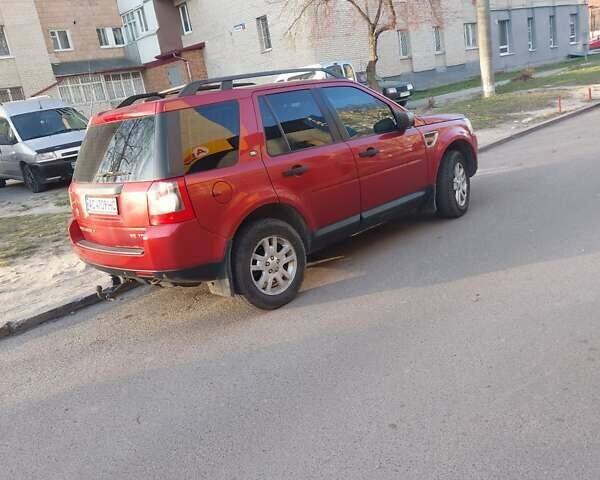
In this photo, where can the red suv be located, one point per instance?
(234, 184)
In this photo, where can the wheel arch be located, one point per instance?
(465, 148)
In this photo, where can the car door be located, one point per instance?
(392, 166)
(8, 154)
(308, 163)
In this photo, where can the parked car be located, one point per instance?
(39, 141)
(594, 44)
(397, 90)
(235, 185)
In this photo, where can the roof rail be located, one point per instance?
(134, 98)
(226, 83)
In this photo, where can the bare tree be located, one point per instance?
(378, 16)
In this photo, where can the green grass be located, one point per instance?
(489, 113)
(580, 75)
(62, 201)
(576, 64)
(23, 235)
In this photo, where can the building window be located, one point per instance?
(573, 27)
(470, 36)
(135, 24)
(552, 24)
(505, 44)
(531, 33)
(403, 43)
(186, 25)
(61, 40)
(87, 89)
(264, 36)
(438, 44)
(4, 50)
(11, 94)
(110, 37)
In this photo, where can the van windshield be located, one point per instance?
(44, 123)
(118, 152)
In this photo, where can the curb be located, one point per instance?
(537, 127)
(20, 326)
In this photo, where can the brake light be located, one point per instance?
(169, 202)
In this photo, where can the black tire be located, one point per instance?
(32, 180)
(2, 183)
(448, 205)
(243, 251)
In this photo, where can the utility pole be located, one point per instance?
(484, 31)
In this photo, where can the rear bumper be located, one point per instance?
(185, 276)
(178, 253)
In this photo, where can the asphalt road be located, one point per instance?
(425, 349)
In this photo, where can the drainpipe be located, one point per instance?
(187, 66)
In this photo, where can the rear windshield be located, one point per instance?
(44, 123)
(118, 152)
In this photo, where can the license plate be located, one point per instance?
(103, 206)
(404, 94)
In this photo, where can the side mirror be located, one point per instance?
(404, 120)
(385, 125)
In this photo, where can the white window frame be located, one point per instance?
(531, 33)
(184, 14)
(54, 35)
(573, 28)
(109, 34)
(135, 24)
(97, 88)
(7, 91)
(505, 49)
(404, 47)
(264, 34)
(438, 40)
(471, 36)
(552, 31)
(5, 37)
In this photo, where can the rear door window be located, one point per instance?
(293, 121)
(118, 152)
(358, 111)
(210, 136)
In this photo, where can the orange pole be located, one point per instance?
(559, 105)
(590, 94)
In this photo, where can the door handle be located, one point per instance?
(369, 152)
(295, 171)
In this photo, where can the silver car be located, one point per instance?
(39, 141)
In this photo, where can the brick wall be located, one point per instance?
(81, 18)
(156, 78)
(29, 66)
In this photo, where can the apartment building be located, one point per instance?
(155, 28)
(94, 53)
(24, 65)
(428, 47)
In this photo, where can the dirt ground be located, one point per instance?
(38, 270)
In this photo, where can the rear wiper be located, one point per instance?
(114, 174)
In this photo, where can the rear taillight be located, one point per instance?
(169, 202)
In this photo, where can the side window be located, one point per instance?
(6, 135)
(210, 136)
(359, 111)
(349, 72)
(293, 121)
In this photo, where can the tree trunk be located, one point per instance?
(373, 57)
(485, 48)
